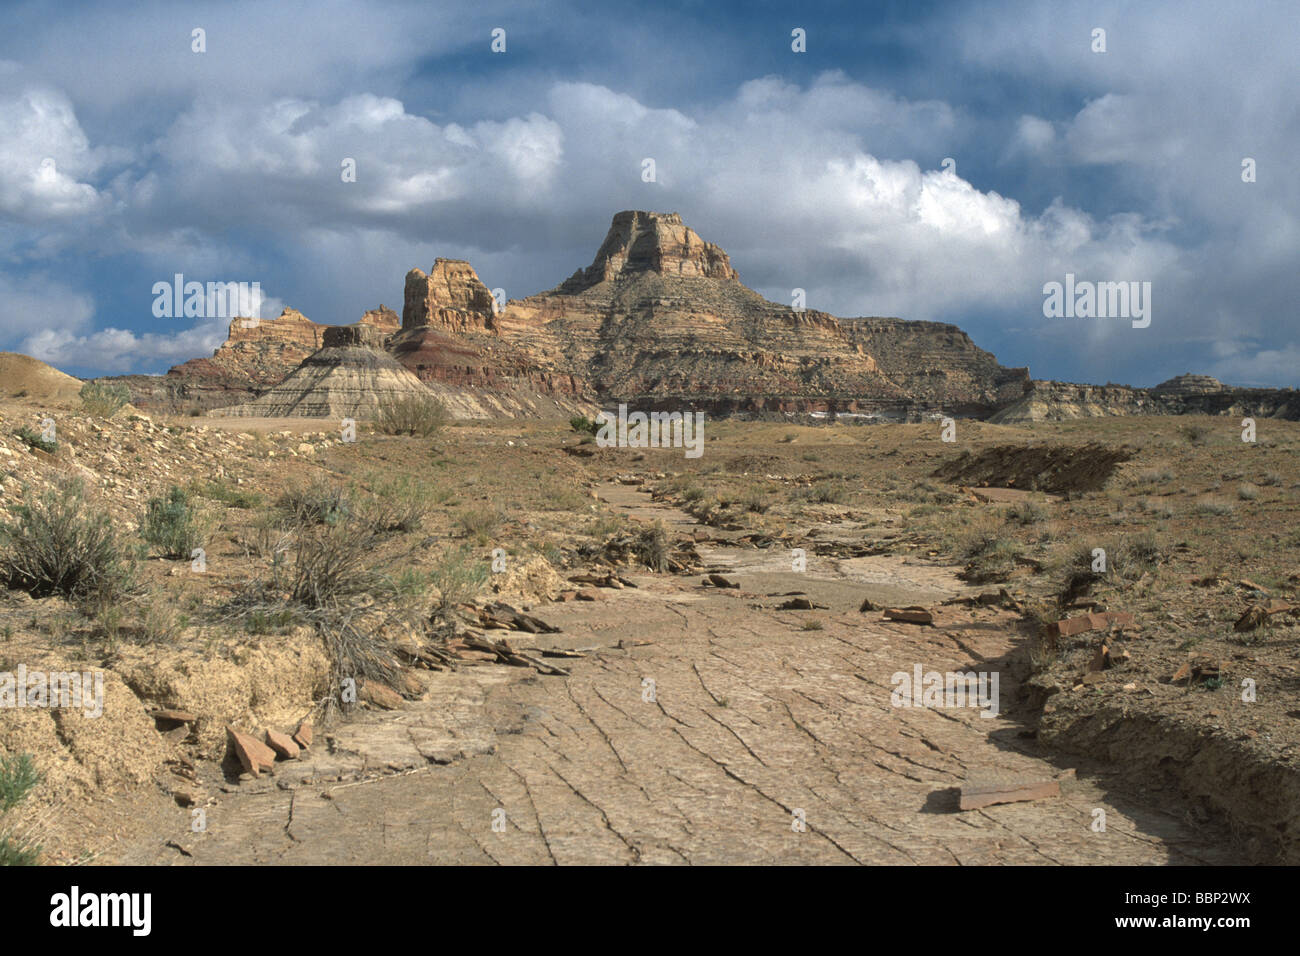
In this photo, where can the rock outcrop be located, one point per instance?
(661, 319)
(450, 339)
(257, 354)
(1189, 384)
(1045, 401)
(651, 242)
(351, 376)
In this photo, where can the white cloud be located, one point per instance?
(828, 184)
(43, 155)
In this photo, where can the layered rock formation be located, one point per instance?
(661, 319)
(1045, 401)
(257, 354)
(450, 338)
(351, 376)
(651, 242)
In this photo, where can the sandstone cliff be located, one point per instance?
(661, 319)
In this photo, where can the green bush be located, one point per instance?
(104, 398)
(58, 544)
(398, 503)
(34, 439)
(419, 415)
(582, 424)
(458, 577)
(320, 502)
(174, 524)
(18, 777)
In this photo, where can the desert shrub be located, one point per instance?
(397, 503)
(583, 425)
(989, 555)
(328, 564)
(420, 415)
(267, 535)
(478, 522)
(612, 523)
(18, 777)
(174, 524)
(318, 502)
(58, 544)
(275, 620)
(104, 398)
(692, 493)
(824, 492)
(1247, 492)
(650, 547)
(753, 500)
(1152, 476)
(228, 494)
(1195, 434)
(1135, 555)
(34, 439)
(1027, 512)
(458, 577)
(1212, 506)
(160, 621)
(1270, 479)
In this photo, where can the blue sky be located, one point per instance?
(125, 157)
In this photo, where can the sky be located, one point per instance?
(928, 160)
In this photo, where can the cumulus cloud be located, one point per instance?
(122, 350)
(44, 154)
(823, 182)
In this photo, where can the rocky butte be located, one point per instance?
(660, 320)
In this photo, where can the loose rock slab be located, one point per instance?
(985, 793)
(254, 755)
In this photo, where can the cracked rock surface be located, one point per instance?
(703, 726)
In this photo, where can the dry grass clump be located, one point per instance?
(420, 415)
(104, 399)
(60, 544)
(175, 524)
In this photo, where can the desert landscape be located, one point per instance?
(471, 437)
(404, 591)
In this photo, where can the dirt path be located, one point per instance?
(752, 723)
